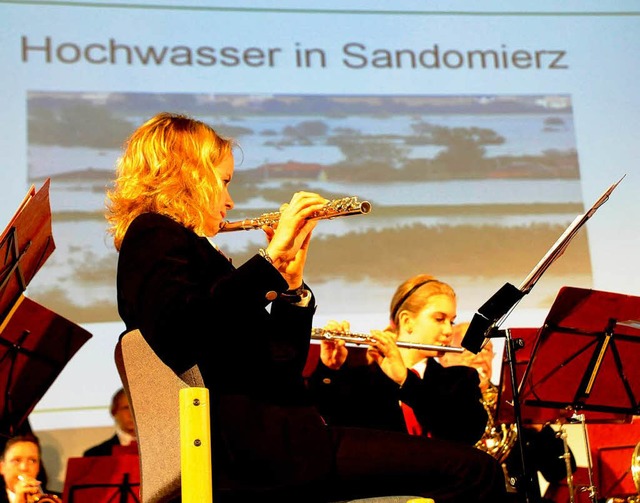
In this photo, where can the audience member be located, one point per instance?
(125, 434)
(248, 328)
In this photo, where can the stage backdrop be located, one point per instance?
(476, 135)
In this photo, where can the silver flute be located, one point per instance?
(335, 208)
(354, 338)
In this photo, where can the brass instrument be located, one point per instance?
(497, 440)
(635, 467)
(335, 208)
(40, 497)
(44, 498)
(562, 433)
(635, 473)
(354, 338)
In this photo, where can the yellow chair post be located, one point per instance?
(195, 445)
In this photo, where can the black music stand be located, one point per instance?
(525, 339)
(35, 343)
(484, 324)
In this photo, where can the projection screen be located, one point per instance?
(477, 136)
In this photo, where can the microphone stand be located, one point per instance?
(490, 315)
(529, 484)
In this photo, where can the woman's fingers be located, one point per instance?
(337, 326)
(303, 205)
(294, 225)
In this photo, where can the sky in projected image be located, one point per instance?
(473, 189)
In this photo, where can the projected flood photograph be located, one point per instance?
(472, 189)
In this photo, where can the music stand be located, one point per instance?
(534, 414)
(586, 357)
(584, 360)
(505, 413)
(103, 479)
(25, 245)
(35, 343)
(484, 324)
(493, 312)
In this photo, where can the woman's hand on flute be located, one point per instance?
(333, 352)
(289, 240)
(384, 351)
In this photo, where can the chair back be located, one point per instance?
(153, 390)
(154, 393)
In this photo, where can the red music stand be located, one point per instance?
(535, 414)
(35, 343)
(25, 245)
(583, 361)
(586, 356)
(103, 479)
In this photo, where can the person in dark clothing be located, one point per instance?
(545, 453)
(375, 392)
(125, 434)
(248, 328)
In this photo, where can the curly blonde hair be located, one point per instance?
(167, 167)
(412, 295)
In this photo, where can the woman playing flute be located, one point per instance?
(395, 386)
(247, 328)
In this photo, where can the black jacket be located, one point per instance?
(104, 448)
(446, 401)
(194, 307)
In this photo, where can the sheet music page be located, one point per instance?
(30, 193)
(26, 243)
(560, 245)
